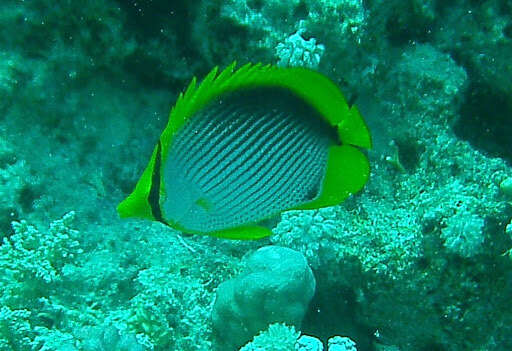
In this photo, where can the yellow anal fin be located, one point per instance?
(249, 232)
(347, 172)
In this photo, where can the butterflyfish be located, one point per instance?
(247, 144)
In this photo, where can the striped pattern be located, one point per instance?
(244, 158)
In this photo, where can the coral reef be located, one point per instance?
(308, 343)
(33, 265)
(275, 286)
(339, 343)
(421, 259)
(296, 51)
(277, 337)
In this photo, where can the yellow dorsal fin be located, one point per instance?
(314, 88)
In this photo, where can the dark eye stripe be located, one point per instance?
(154, 193)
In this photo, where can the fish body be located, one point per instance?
(246, 145)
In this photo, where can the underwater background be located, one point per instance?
(420, 259)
